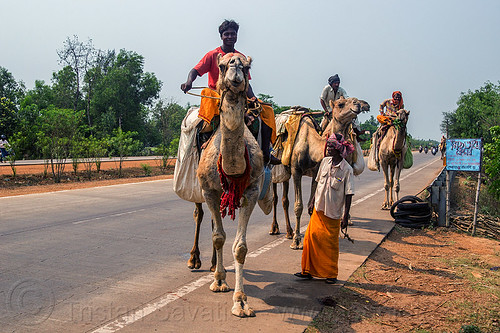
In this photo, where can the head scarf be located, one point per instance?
(334, 78)
(336, 142)
(398, 105)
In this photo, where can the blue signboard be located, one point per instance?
(463, 154)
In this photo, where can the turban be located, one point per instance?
(337, 142)
(334, 78)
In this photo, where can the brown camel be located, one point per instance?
(391, 153)
(308, 151)
(234, 151)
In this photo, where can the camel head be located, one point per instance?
(402, 118)
(344, 110)
(233, 73)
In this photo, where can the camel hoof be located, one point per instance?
(219, 286)
(242, 310)
(289, 235)
(274, 231)
(194, 263)
(296, 245)
(212, 269)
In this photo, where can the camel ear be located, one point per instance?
(341, 97)
(249, 59)
(332, 104)
(219, 57)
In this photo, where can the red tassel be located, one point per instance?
(232, 188)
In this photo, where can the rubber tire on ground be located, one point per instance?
(415, 214)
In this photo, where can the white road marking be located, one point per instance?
(137, 315)
(107, 216)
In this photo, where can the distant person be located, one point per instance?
(4, 144)
(332, 203)
(228, 31)
(332, 92)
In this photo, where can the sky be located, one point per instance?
(430, 50)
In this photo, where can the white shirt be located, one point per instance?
(328, 94)
(334, 183)
(3, 143)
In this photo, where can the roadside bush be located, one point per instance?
(492, 162)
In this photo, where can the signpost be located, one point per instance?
(463, 155)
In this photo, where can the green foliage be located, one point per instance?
(470, 329)
(476, 113)
(10, 88)
(122, 144)
(8, 119)
(56, 131)
(147, 169)
(166, 120)
(120, 96)
(491, 162)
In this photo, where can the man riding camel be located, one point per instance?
(391, 106)
(228, 31)
(332, 92)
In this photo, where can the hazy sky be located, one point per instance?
(431, 50)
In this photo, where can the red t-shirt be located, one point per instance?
(208, 64)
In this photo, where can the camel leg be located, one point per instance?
(275, 229)
(310, 204)
(286, 204)
(385, 169)
(218, 238)
(298, 208)
(214, 253)
(391, 187)
(240, 249)
(396, 180)
(194, 261)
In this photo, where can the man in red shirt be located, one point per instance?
(228, 31)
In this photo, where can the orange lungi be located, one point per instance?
(209, 108)
(320, 255)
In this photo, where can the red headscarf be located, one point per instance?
(398, 105)
(336, 141)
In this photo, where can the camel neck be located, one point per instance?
(232, 127)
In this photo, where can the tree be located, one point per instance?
(10, 88)
(56, 132)
(122, 144)
(476, 113)
(166, 119)
(64, 89)
(77, 56)
(122, 95)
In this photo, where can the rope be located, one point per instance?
(199, 95)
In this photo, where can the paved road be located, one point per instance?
(114, 257)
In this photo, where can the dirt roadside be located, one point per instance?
(432, 280)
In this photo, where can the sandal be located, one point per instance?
(303, 276)
(331, 280)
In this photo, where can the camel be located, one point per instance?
(308, 151)
(391, 153)
(234, 152)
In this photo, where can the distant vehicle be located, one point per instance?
(420, 149)
(434, 150)
(426, 149)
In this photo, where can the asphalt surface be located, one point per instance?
(114, 258)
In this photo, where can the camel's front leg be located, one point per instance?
(194, 261)
(298, 208)
(396, 180)
(218, 239)
(286, 204)
(391, 187)
(240, 249)
(275, 229)
(385, 169)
